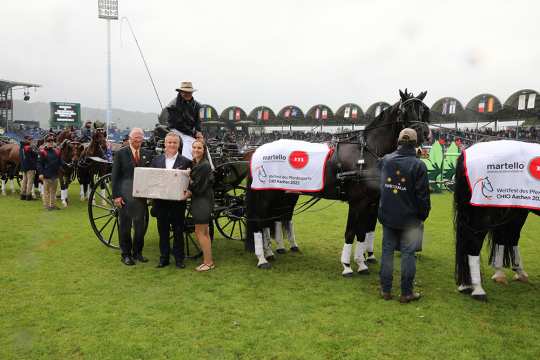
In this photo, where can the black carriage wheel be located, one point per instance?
(231, 219)
(192, 250)
(103, 215)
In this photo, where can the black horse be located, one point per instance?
(472, 224)
(351, 175)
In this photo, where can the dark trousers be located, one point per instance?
(132, 216)
(171, 220)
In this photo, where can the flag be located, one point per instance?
(287, 113)
(201, 113)
(208, 113)
(490, 104)
(444, 108)
(325, 114)
(453, 104)
(237, 114)
(347, 112)
(266, 115)
(521, 102)
(317, 113)
(259, 114)
(354, 113)
(481, 106)
(531, 103)
(231, 114)
(377, 110)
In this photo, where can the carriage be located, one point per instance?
(229, 207)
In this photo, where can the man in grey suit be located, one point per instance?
(170, 214)
(132, 213)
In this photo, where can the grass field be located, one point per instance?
(65, 296)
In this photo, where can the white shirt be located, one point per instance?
(169, 161)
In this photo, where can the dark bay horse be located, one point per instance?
(472, 224)
(92, 163)
(70, 152)
(351, 175)
(9, 165)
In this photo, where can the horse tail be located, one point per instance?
(462, 196)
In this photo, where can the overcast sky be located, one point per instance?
(273, 52)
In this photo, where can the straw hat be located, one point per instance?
(186, 86)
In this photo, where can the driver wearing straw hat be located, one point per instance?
(184, 117)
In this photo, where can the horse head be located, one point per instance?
(414, 114)
(382, 133)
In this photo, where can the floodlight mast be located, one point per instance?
(108, 10)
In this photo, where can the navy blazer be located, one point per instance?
(123, 169)
(161, 207)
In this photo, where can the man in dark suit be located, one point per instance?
(170, 213)
(132, 212)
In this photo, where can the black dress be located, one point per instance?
(201, 187)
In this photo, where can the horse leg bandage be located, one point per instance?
(64, 196)
(103, 197)
(267, 245)
(259, 251)
(346, 259)
(476, 279)
(497, 263)
(517, 266)
(3, 187)
(81, 193)
(289, 228)
(12, 185)
(370, 239)
(359, 256)
(278, 236)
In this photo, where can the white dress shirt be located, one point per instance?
(169, 161)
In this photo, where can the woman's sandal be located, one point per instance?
(204, 267)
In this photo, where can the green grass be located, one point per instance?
(63, 295)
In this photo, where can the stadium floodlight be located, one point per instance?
(108, 10)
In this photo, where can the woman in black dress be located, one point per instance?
(202, 201)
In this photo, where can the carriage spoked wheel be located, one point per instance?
(230, 218)
(192, 250)
(102, 213)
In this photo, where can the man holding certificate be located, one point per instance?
(170, 214)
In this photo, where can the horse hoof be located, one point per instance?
(363, 272)
(482, 298)
(265, 266)
(465, 289)
(524, 278)
(371, 260)
(347, 274)
(270, 258)
(295, 249)
(500, 280)
(281, 251)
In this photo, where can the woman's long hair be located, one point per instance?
(205, 151)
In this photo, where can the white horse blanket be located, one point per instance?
(289, 165)
(504, 173)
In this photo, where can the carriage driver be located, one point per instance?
(403, 208)
(184, 117)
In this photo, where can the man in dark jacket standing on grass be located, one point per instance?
(403, 208)
(28, 158)
(49, 166)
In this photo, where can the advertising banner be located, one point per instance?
(289, 165)
(504, 173)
